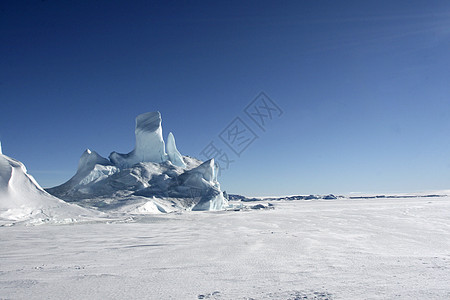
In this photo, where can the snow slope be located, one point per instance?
(22, 199)
(319, 249)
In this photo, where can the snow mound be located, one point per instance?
(23, 199)
(150, 207)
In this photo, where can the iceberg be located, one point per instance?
(174, 155)
(202, 183)
(147, 172)
(150, 145)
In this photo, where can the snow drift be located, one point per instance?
(22, 198)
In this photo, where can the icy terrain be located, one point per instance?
(138, 235)
(316, 249)
(147, 177)
(145, 181)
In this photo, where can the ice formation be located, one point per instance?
(173, 153)
(202, 183)
(89, 159)
(91, 167)
(23, 199)
(146, 174)
(149, 143)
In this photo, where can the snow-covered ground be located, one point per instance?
(319, 249)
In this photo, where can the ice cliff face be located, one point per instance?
(150, 145)
(147, 172)
(202, 182)
(198, 187)
(174, 156)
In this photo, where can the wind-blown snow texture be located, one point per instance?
(145, 177)
(311, 249)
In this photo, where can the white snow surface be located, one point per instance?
(22, 199)
(322, 249)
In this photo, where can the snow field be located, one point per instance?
(324, 249)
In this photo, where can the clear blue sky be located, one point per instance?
(364, 87)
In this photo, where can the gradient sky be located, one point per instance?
(364, 87)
